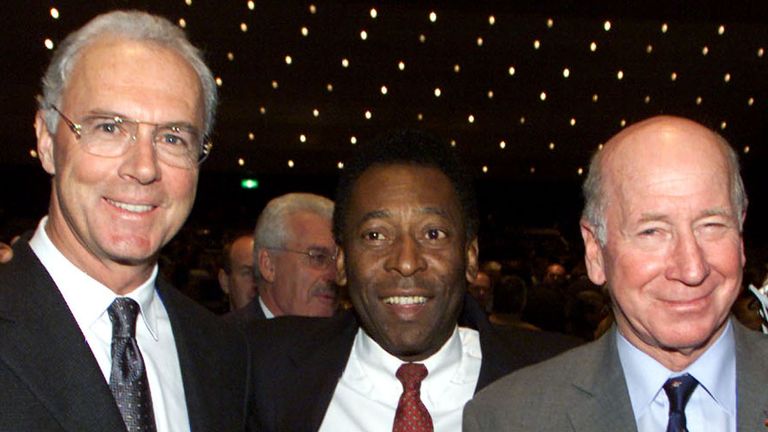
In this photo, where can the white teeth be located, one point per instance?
(135, 208)
(405, 300)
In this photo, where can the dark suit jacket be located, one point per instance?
(585, 390)
(50, 380)
(295, 376)
(246, 314)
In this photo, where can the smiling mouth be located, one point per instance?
(133, 208)
(405, 300)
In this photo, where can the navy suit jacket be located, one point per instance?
(295, 375)
(50, 380)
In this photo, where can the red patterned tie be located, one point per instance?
(411, 414)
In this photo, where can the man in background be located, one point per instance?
(235, 275)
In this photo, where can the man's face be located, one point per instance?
(239, 283)
(674, 256)
(405, 258)
(110, 212)
(481, 289)
(300, 286)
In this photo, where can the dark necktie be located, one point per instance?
(128, 379)
(411, 414)
(679, 390)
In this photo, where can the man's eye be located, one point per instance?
(172, 140)
(373, 236)
(436, 234)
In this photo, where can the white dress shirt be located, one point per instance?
(712, 406)
(88, 301)
(368, 392)
(267, 313)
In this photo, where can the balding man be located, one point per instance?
(662, 229)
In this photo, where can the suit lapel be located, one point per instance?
(603, 405)
(41, 343)
(319, 366)
(751, 378)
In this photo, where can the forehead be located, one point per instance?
(309, 227)
(132, 77)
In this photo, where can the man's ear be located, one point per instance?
(266, 266)
(224, 281)
(341, 270)
(44, 143)
(472, 252)
(593, 253)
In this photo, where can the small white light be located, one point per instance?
(647, 99)
(48, 43)
(522, 120)
(479, 41)
(566, 73)
(219, 82)
(664, 27)
(551, 146)
(607, 25)
(344, 63)
(33, 153)
(275, 85)
(241, 161)
(329, 87)
(727, 77)
(312, 9)
(188, 2)
(316, 112)
(368, 114)
(543, 96)
(699, 100)
(340, 165)
(353, 140)
(251, 4)
(401, 65)
(536, 44)
(485, 169)
(760, 52)
(303, 138)
(620, 75)
(649, 48)
(251, 136)
(230, 56)
(490, 94)
(453, 143)
(705, 50)
(243, 27)
(511, 70)
(502, 145)
(600, 146)
(723, 125)
(419, 116)
(746, 149)
(572, 122)
(751, 101)
(471, 118)
(290, 163)
(438, 92)
(622, 123)
(673, 76)
(593, 46)
(491, 20)
(550, 22)
(432, 16)
(721, 30)
(532, 170)
(595, 97)
(54, 13)
(580, 171)
(374, 13)
(384, 90)
(262, 110)
(363, 35)
(456, 68)
(422, 38)
(304, 31)
(288, 60)
(182, 23)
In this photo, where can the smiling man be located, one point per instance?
(406, 225)
(90, 338)
(662, 229)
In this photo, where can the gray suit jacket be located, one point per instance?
(584, 390)
(50, 380)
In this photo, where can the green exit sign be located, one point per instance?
(249, 183)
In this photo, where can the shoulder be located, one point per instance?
(528, 346)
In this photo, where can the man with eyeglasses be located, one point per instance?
(91, 339)
(295, 259)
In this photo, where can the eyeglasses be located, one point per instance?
(317, 257)
(177, 144)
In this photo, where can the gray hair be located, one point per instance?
(595, 199)
(272, 227)
(134, 25)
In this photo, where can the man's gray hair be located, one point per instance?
(134, 25)
(272, 229)
(595, 197)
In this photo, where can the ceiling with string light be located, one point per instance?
(521, 89)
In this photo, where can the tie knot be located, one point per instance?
(123, 312)
(679, 390)
(411, 375)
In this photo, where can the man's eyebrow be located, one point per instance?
(375, 214)
(651, 217)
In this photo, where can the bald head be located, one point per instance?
(662, 144)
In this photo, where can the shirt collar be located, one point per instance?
(715, 370)
(87, 298)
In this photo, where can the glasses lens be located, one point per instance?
(106, 136)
